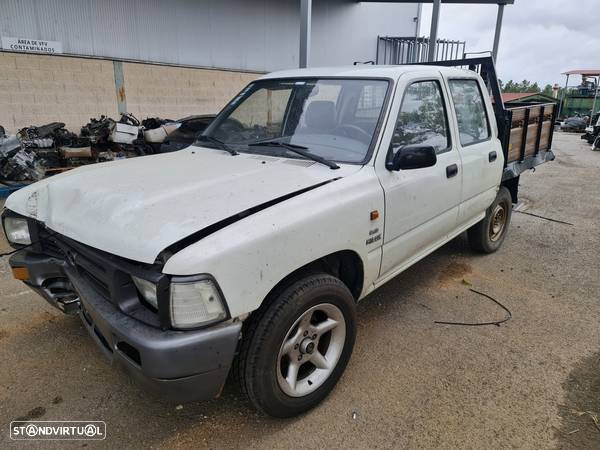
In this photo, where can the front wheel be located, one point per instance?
(294, 352)
(488, 235)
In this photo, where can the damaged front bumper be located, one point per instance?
(177, 365)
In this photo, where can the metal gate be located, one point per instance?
(408, 50)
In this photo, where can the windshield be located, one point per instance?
(331, 118)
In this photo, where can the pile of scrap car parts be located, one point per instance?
(110, 139)
(592, 132)
(575, 124)
(36, 152)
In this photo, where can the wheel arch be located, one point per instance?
(346, 265)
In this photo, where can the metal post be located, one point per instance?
(305, 26)
(498, 31)
(562, 97)
(435, 16)
(415, 58)
(594, 104)
(120, 87)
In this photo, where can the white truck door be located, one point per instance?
(421, 205)
(479, 147)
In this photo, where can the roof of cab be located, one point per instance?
(365, 71)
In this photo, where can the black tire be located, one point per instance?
(258, 363)
(481, 235)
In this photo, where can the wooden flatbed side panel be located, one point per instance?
(517, 127)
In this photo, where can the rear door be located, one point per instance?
(421, 205)
(479, 146)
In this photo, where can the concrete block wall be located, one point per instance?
(175, 92)
(38, 89)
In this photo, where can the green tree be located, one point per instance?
(523, 86)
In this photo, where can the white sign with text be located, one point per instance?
(31, 45)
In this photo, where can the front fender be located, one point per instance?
(249, 257)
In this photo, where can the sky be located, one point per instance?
(540, 38)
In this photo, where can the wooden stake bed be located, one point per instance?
(530, 130)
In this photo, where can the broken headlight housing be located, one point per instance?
(147, 290)
(195, 302)
(16, 229)
(184, 302)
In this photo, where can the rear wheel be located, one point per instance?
(294, 352)
(488, 235)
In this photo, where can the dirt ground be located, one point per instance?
(533, 382)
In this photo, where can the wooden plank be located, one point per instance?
(518, 115)
(545, 139)
(531, 138)
(514, 144)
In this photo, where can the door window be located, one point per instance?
(422, 118)
(473, 123)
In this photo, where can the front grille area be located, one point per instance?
(96, 272)
(100, 286)
(108, 275)
(47, 244)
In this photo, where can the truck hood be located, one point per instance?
(136, 208)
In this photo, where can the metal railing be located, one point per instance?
(409, 50)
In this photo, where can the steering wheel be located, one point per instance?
(354, 132)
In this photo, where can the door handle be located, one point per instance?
(451, 170)
(492, 156)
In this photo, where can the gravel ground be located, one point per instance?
(411, 383)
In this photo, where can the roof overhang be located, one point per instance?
(465, 2)
(586, 72)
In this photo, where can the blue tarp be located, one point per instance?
(5, 191)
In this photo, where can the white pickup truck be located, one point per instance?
(247, 252)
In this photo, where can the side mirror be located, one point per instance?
(412, 157)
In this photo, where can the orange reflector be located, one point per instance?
(20, 273)
(374, 215)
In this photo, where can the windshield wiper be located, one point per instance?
(219, 142)
(298, 149)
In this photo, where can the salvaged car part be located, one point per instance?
(22, 166)
(183, 133)
(8, 146)
(98, 130)
(574, 124)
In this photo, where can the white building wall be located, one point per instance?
(253, 35)
(346, 31)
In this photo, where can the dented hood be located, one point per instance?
(136, 208)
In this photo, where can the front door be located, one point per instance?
(421, 205)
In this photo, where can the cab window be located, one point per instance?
(422, 118)
(473, 123)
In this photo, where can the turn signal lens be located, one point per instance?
(147, 289)
(20, 273)
(196, 303)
